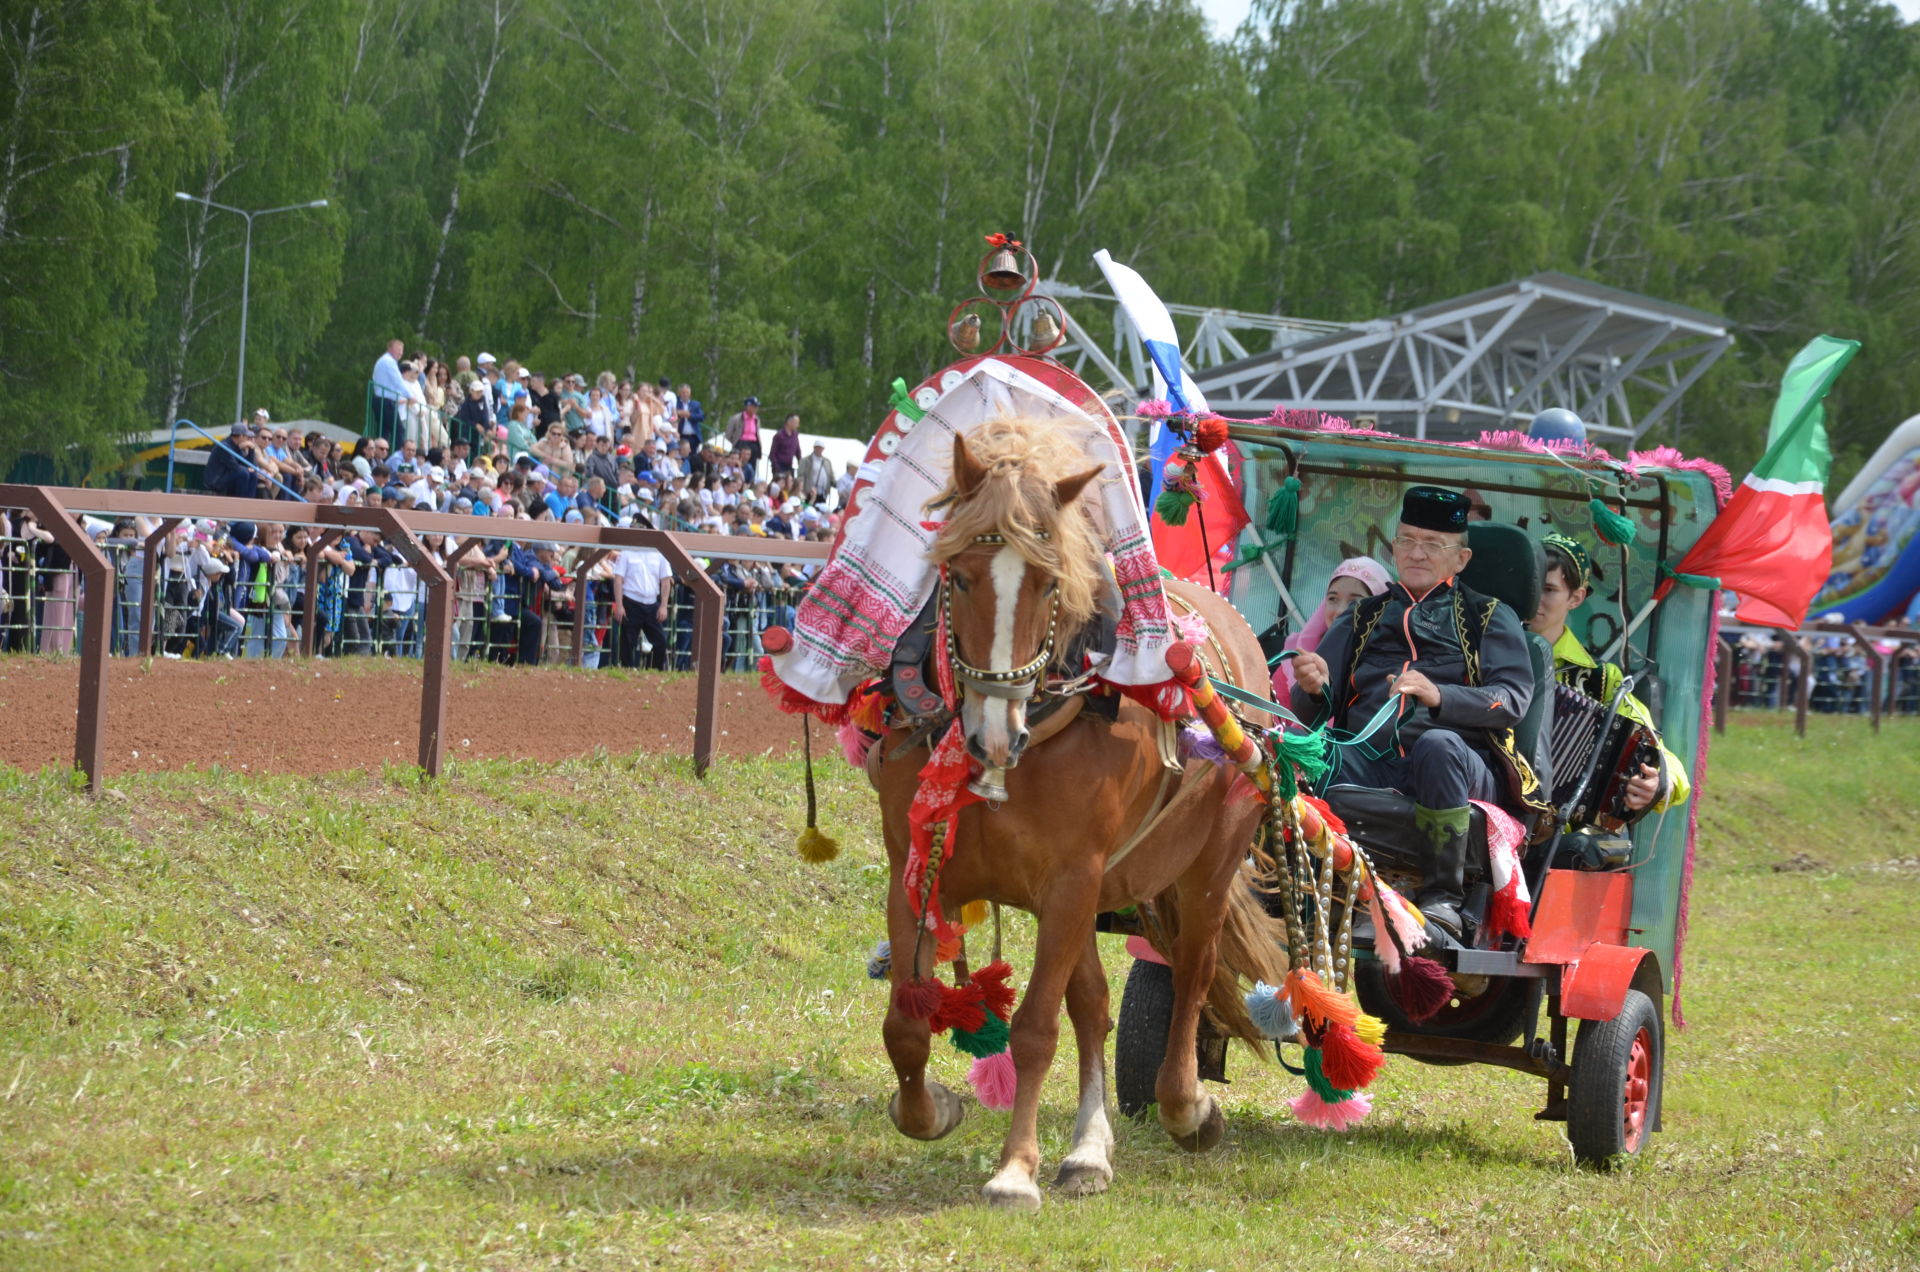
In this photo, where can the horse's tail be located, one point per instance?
(1253, 947)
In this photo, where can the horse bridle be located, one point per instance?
(1023, 683)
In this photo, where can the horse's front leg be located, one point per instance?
(921, 1108)
(1088, 1167)
(1065, 927)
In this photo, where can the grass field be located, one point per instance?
(598, 1015)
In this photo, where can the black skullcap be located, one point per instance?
(1432, 508)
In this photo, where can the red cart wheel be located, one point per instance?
(1614, 1098)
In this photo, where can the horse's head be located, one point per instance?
(1018, 565)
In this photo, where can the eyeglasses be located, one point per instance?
(1422, 547)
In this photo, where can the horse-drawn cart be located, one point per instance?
(1608, 909)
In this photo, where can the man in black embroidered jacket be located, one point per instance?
(1456, 664)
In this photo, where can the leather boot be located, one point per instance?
(1443, 886)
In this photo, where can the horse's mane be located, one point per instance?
(1023, 459)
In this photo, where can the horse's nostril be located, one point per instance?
(1019, 744)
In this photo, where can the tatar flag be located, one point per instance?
(1216, 522)
(1772, 543)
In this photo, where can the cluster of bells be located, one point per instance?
(1008, 281)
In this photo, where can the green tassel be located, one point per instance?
(902, 401)
(1318, 1080)
(1705, 582)
(1172, 507)
(1283, 510)
(1250, 553)
(989, 1039)
(1306, 752)
(1612, 526)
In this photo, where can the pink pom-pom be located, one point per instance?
(500, 433)
(1317, 1113)
(994, 1081)
(855, 743)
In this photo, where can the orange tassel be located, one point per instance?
(947, 948)
(1315, 1003)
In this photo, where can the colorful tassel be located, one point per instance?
(995, 994)
(881, 964)
(947, 948)
(1508, 913)
(1611, 526)
(973, 914)
(960, 1008)
(1421, 988)
(1283, 509)
(989, 1039)
(1173, 506)
(1324, 1116)
(855, 742)
(816, 848)
(918, 999)
(1348, 1062)
(1270, 1012)
(1210, 434)
(995, 1081)
(1371, 1029)
(1317, 1005)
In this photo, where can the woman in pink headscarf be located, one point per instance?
(1352, 579)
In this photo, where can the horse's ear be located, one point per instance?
(968, 473)
(1068, 489)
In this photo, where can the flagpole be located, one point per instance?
(1633, 625)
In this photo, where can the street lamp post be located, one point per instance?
(246, 279)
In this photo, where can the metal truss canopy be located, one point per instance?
(1492, 359)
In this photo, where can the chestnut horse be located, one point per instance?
(1093, 819)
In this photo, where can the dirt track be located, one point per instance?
(314, 717)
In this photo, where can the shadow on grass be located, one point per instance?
(828, 1169)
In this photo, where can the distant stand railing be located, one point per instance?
(174, 442)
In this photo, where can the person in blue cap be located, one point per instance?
(1455, 663)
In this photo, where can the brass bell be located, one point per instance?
(1003, 271)
(966, 333)
(991, 785)
(1046, 330)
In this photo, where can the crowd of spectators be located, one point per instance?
(480, 438)
(1767, 668)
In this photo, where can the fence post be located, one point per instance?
(149, 554)
(1723, 667)
(709, 604)
(588, 558)
(310, 594)
(1876, 670)
(1803, 686)
(95, 607)
(437, 649)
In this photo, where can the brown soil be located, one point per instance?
(296, 716)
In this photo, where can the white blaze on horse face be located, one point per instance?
(994, 723)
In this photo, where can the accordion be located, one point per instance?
(1582, 729)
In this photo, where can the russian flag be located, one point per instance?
(1180, 548)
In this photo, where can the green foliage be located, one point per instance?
(785, 197)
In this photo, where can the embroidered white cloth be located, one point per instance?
(879, 578)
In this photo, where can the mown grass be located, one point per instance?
(598, 1015)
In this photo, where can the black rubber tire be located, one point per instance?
(1140, 1041)
(1498, 1016)
(1610, 1075)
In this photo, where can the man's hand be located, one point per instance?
(619, 612)
(1642, 787)
(661, 613)
(1310, 672)
(1415, 685)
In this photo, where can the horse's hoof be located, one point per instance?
(1082, 1179)
(1008, 1191)
(1207, 1135)
(949, 1110)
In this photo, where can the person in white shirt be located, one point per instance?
(642, 581)
(399, 610)
(389, 390)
